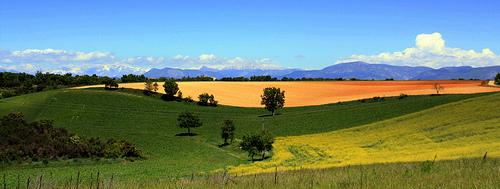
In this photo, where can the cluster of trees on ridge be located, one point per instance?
(13, 84)
(20, 141)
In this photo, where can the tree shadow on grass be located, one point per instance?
(186, 134)
(222, 145)
(259, 159)
(270, 115)
(168, 97)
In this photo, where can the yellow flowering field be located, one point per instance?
(468, 128)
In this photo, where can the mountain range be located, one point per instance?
(359, 70)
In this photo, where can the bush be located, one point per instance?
(207, 100)
(402, 95)
(8, 94)
(20, 140)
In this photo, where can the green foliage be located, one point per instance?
(131, 78)
(20, 140)
(228, 130)
(207, 100)
(273, 98)
(8, 94)
(109, 83)
(402, 95)
(148, 87)
(497, 78)
(155, 87)
(170, 87)
(188, 120)
(179, 96)
(258, 142)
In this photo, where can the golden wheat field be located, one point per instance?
(247, 94)
(469, 128)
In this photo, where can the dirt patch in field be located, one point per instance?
(247, 94)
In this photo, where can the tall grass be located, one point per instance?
(460, 173)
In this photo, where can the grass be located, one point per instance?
(151, 124)
(467, 128)
(459, 173)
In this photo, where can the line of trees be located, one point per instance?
(13, 84)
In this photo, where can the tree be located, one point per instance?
(212, 101)
(155, 87)
(203, 99)
(206, 99)
(148, 86)
(188, 120)
(438, 88)
(108, 83)
(273, 98)
(257, 142)
(171, 88)
(228, 130)
(497, 79)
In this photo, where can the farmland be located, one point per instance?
(317, 93)
(152, 125)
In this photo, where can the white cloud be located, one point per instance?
(430, 50)
(61, 61)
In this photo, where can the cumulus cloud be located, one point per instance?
(61, 61)
(430, 50)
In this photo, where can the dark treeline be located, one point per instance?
(142, 78)
(20, 140)
(269, 78)
(13, 84)
(131, 78)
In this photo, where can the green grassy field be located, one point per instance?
(151, 124)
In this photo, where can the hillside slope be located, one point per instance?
(467, 128)
(152, 125)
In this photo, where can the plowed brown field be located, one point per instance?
(247, 94)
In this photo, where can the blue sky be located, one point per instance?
(297, 34)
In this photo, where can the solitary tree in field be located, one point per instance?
(108, 83)
(228, 130)
(497, 79)
(171, 88)
(273, 98)
(188, 120)
(148, 86)
(259, 142)
(438, 88)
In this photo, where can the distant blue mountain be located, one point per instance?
(465, 72)
(362, 70)
(179, 73)
(358, 70)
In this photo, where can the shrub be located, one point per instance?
(8, 94)
(402, 95)
(207, 100)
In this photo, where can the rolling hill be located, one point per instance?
(151, 124)
(468, 128)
